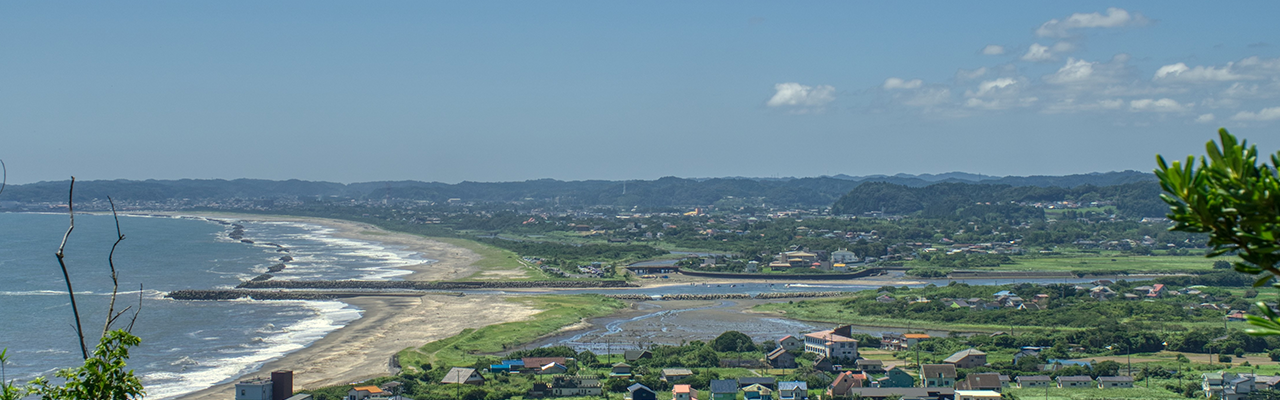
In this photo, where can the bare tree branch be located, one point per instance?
(84, 351)
(113, 318)
(135, 312)
(115, 282)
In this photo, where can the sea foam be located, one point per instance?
(327, 316)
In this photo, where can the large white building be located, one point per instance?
(254, 389)
(844, 256)
(835, 344)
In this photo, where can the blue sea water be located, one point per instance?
(186, 345)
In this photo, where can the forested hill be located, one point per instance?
(1138, 199)
(664, 192)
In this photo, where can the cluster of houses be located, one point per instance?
(386, 391)
(836, 351)
(1126, 244)
(837, 261)
(1002, 299)
(279, 386)
(936, 381)
(1102, 291)
(594, 270)
(751, 388)
(976, 248)
(533, 365)
(1232, 386)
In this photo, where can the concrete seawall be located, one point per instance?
(232, 294)
(422, 285)
(789, 277)
(728, 296)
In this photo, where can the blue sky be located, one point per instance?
(500, 91)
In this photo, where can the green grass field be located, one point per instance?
(1054, 393)
(558, 311)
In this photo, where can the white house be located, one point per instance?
(834, 344)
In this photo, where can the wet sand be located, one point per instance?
(363, 349)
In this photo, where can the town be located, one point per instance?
(816, 365)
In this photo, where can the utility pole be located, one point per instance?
(918, 365)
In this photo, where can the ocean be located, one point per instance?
(186, 346)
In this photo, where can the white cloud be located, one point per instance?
(968, 75)
(795, 94)
(1075, 71)
(1063, 47)
(1266, 114)
(1141, 90)
(898, 83)
(1037, 52)
(1000, 104)
(1210, 102)
(1161, 105)
(1205, 118)
(990, 87)
(1112, 104)
(1261, 63)
(1070, 105)
(929, 97)
(993, 50)
(1114, 18)
(1180, 72)
(1241, 90)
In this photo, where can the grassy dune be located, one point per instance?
(494, 259)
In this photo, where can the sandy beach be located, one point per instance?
(363, 348)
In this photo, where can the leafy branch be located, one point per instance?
(1236, 200)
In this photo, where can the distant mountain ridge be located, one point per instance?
(663, 192)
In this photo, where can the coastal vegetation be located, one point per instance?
(558, 312)
(493, 259)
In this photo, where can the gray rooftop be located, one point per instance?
(724, 386)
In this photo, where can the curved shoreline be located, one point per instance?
(362, 348)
